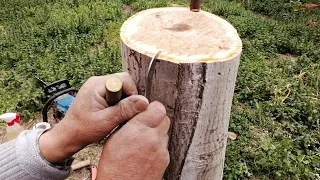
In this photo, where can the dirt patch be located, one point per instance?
(288, 57)
(258, 131)
(98, 47)
(127, 9)
(91, 152)
(313, 23)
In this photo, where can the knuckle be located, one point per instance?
(167, 121)
(92, 78)
(164, 153)
(153, 144)
(125, 110)
(165, 157)
(125, 74)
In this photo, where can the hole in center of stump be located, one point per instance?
(180, 27)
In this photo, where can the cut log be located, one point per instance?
(194, 79)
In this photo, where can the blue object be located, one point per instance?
(64, 102)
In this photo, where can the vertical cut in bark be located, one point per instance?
(194, 79)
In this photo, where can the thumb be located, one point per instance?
(125, 110)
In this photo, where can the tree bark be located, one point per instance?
(194, 79)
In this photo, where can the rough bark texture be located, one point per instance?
(194, 79)
(198, 98)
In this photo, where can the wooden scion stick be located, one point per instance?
(195, 5)
(80, 165)
(194, 78)
(114, 90)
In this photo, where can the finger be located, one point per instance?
(124, 110)
(164, 126)
(152, 117)
(128, 86)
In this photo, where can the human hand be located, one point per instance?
(137, 151)
(90, 119)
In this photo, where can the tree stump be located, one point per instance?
(194, 78)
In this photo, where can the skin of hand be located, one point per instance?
(90, 119)
(137, 151)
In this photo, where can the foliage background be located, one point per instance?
(276, 103)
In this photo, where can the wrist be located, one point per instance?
(55, 146)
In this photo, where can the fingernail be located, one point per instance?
(141, 105)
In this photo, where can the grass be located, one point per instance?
(276, 103)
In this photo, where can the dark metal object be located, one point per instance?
(53, 88)
(150, 73)
(57, 114)
(59, 94)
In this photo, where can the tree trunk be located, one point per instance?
(194, 79)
